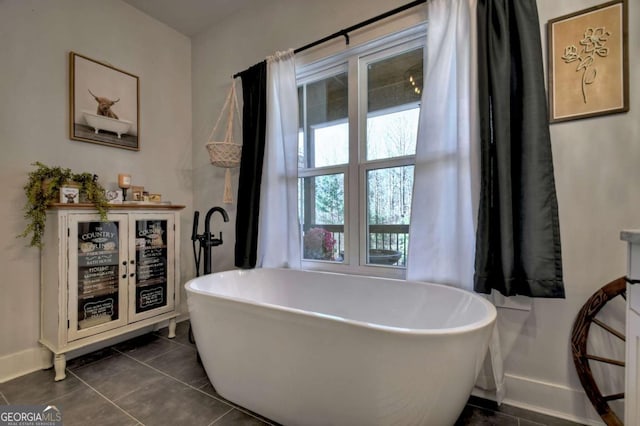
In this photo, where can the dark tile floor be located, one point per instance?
(151, 380)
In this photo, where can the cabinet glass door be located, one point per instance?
(154, 276)
(97, 272)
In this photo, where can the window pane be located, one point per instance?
(325, 134)
(322, 216)
(388, 212)
(331, 144)
(394, 87)
(392, 135)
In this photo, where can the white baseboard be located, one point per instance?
(547, 398)
(39, 358)
(24, 362)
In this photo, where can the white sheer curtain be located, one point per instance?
(447, 170)
(279, 232)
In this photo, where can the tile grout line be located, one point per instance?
(99, 393)
(173, 340)
(219, 417)
(520, 419)
(495, 411)
(5, 398)
(64, 395)
(191, 386)
(126, 394)
(523, 417)
(155, 356)
(232, 404)
(167, 375)
(118, 353)
(90, 363)
(531, 422)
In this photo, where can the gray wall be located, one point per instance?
(595, 164)
(35, 40)
(183, 84)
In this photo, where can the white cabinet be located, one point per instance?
(632, 366)
(101, 279)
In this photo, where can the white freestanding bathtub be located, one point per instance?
(315, 348)
(100, 122)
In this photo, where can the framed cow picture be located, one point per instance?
(104, 104)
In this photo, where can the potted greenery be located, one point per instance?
(42, 189)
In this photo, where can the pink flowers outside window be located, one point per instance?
(318, 243)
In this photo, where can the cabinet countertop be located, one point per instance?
(123, 206)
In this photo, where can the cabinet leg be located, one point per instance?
(59, 364)
(172, 328)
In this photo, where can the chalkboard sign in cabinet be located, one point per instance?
(101, 279)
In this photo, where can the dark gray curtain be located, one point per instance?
(254, 119)
(518, 237)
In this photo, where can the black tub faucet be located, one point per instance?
(206, 240)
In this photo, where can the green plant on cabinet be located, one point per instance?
(42, 189)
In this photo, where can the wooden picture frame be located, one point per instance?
(137, 193)
(588, 62)
(104, 104)
(69, 195)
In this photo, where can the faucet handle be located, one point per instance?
(194, 232)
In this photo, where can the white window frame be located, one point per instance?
(355, 60)
(324, 125)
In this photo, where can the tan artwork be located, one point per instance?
(588, 73)
(104, 104)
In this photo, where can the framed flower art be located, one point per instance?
(588, 63)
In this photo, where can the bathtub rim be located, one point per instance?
(489, 320)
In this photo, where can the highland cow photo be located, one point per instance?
(104, 104)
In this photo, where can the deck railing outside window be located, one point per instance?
(382, 238)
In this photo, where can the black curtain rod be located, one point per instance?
(345, 33)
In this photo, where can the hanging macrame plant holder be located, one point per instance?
(226, 153)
